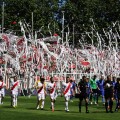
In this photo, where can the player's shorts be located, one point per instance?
(52, 96)
(83, 96)
(3, 92)
(41, 96)
(108, 95)
(14, 93)
(77, 95)
(67, 97)
(95, 91)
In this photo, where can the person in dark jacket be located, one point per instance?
(108, 89)
(82, 87)
(117, 91)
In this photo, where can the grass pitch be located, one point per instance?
(26, 110)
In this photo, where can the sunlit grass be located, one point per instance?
(26, 110)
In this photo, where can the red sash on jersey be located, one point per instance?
(68, 87)
(51, 91)
(40, 89)
(14, 85)
(1, 85)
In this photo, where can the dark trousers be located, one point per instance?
(85, 97)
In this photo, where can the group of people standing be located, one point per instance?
(87, 89)
(108, 88)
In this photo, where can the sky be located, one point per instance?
(62, 2)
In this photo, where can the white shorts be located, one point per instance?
(41, 96)
(52, 96)
(67, 97)
(14, 93)
(3, 92)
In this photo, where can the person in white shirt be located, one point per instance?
(2, 90)
(41, 89)
(66, 92)
(15, 85)
(52, 91)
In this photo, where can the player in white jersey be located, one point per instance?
(41, 89)
(66, 92)
(15, 85)
(2, 90)
(52, 90)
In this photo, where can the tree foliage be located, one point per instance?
(85, 14)
(48, 13)
(21, 10)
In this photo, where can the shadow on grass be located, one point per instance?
(98, 112)
(38, 109)
(59, 110)
(7, 106)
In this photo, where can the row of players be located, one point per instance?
(107, 88)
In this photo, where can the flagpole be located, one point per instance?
(62, 26)
(32, 25)
(73, 36)
(3, 17)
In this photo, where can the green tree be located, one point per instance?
(43, 14)
(48, 13)
(82, 12)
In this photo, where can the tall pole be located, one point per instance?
(73, 36)
(32, 25)
(62, 26)
(3, 17)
